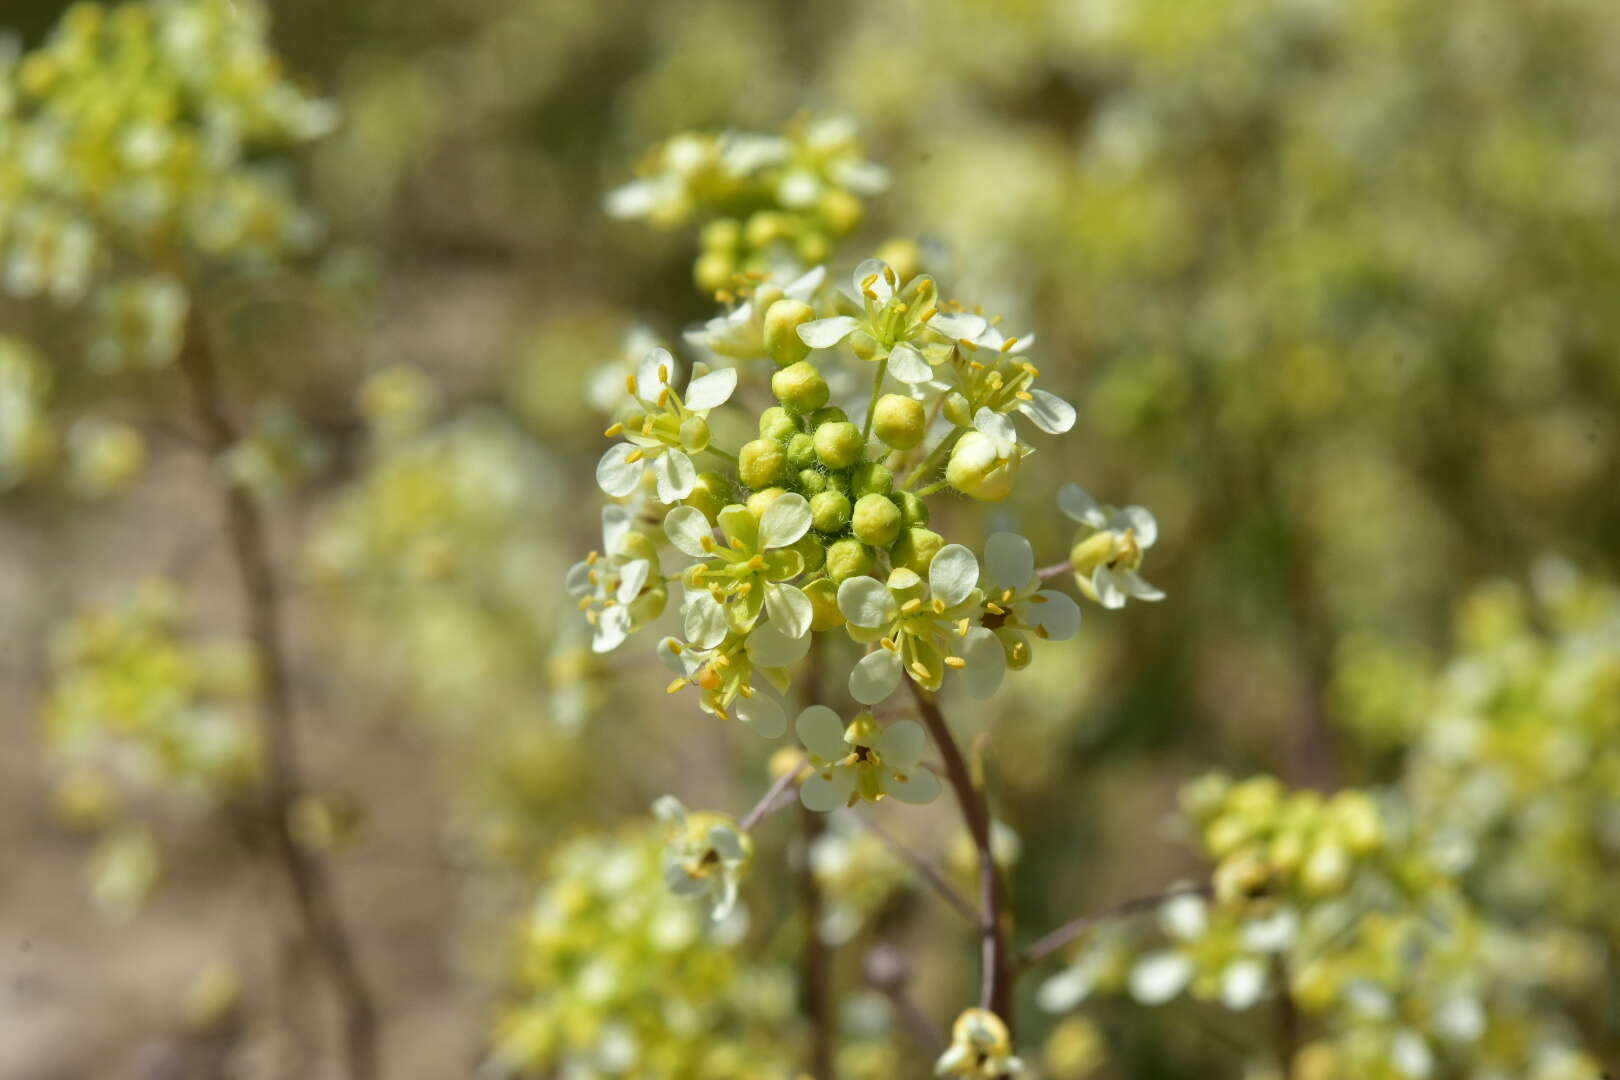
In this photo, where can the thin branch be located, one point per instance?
(886, 971)
(996, 974)
(1287, 1020)
(306, 876)
(1056, 570)
(816, 973)
(768, 803)
(930, 873)
(1050, 943)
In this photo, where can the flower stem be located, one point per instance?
(1056, 570)
(770, 802)
(816, 970)
(306, 876)
(929, 872)
(931, 488)
(931, 462)
(877, 392)
(712, 449)
(996, 973)
(1287, 1020)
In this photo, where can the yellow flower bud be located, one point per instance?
(761, 463)
(849, 558)
(781, 338)
(977, 468)
(839, 445)
(899, 421)
(876, 520)
(800, 387)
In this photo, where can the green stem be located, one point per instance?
(931, 462)
(931, 488)
(877, 392)
(716, 450)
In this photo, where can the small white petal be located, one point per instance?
(1009, 561)
(1159, 977)
(867, 603)
(1049, 412)
(656, 369)
(878, 271)
(632, 200)
(1132, 584)
(1059, 616)
(687, 528)
(669, 808)
(789, 609)
(711, 390)
(952, 575)
(902, 744)
(805, 285)
(1272, 933)
(726, 840)
(821, 732)
(612, 627)
(784, 521)
(908, 365)
(986, 662)
(677, 657)
(959, 325)
(995, 425)
(919, 788)
(875, 677)
(824, 792)
(615, 527)
(632, 576)
(762, 713)
(1141, 522)
(770, 647)
(1079, 506)
(1109, 593)
(705, 621)
(1185, 918)
(675, 474)
(1242, 983)
(680, 882)
(1065, 990)
(825, 333)
(578, 581)
(615, 475)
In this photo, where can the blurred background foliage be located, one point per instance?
(1335, 287)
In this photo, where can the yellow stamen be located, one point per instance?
(918, 669)
(676, 686)
(939, 607)
(966, 345)
(962, 627)
(647, 427)
(584, 602)
(676, 647)
(746, 691)
(630, 384)
(1039, 599)
(955, 662)
(910, 605)
(745, 588)
(929, 314)
(708, 543)
(590, 617)
(634, 456)
(1006, 346)
(663, 373)
(663, 396)
(890, 276)
(590, 560)
(888, 643)
(1034, 372)
(615, 430)
(1024, 395)
(757, 563)
(994, 608)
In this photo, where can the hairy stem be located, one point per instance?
(931, 462)
(877, 392)
(996, 973)
(306, 877)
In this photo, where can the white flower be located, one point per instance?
(706, 855)
(1015, 608)
(663, 433)
(913, 622)
(747, 576)
(606, 586)
(985, 460)
(740, 332)
(1046, 410)
(895, 321)
(724, 674)
(1106, 562)
(863, 761)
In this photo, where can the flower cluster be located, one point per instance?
(138, 707)
(144, 136)
(768, 202)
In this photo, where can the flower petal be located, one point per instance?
(656, 370)
(902, 744)
(825, 791)
(908, 365)
(1009, 561)
(1079, 506)
(669, 808)
(617, 476)
(578, 582)
(986, 662)
(1049, 412)
(704, 621)
(1159, 977)
(821, 732)
(995, 425)
(1142, 523)
(877, 272)
(866, 602)
(673, 655)
(770, 647)
(825, 333)
(728, 842)
(805, 285)
(951, 576)
(711, 390)
(875, 677)
(764, 714)
(1059, 616)
(919, 786)
(615, 527)
(1109, 593)
(612, 627)
(957, 325)
(632, 576)
(784, 521)
(1242, 983)
(789, 609)
(687, 528)
(675, 474)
